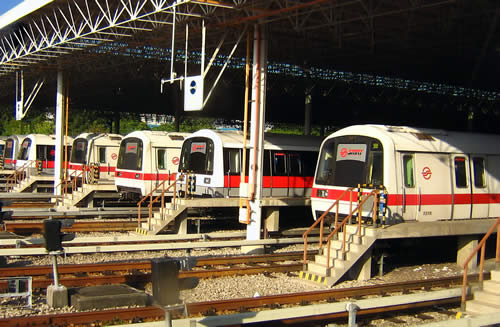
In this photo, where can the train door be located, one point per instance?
(162, 172)
(480, 188)
(434, 191)
(279, 179)
(493, 183)
(407, 202)
(462, 197)
(296, 181)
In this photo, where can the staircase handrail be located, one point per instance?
(150, 196)
(322, 218)
(480, 246)
(162, 196)
(12, 179)
(64, 189)
(364, 198)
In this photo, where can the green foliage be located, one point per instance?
(293, 129)
(191, 125)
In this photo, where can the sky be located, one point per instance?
(5, 5)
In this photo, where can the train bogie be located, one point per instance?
(428, 174)
(214, 162)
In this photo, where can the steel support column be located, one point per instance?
(59, 157)
(258, 106)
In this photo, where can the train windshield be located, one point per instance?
(130, 155)
(9, 148)
(197, 156)
(349, 161)
(25, 150)
(79, 151)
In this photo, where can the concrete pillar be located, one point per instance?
(362, 270)
(272, 219)
(466, 245)
(258, 107)
(59, 157)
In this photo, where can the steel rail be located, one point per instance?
(211, 307)
(145, 265)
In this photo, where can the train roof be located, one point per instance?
(158, 138)
(415, 139)
(17, 137)
(101, 139)
(46, 139)
(234, 139)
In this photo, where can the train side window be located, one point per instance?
(409, 178)
(232, 161)
(102, 155)
(267, 163)
(478, 167)
(295, 162)
(161, 158)
(460, 172)
(279, 164)
(309, 160)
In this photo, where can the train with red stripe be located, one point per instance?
(145, 159)
(215, 160)
(11, 149)
(41, 148)
(97, 150)
(427, 174)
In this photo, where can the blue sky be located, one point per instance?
(5, 5)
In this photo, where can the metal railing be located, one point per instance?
(161, 196)
(20, 174)
(481, 246)
(341, 225)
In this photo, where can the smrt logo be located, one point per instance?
(426, 173)
(351, 152)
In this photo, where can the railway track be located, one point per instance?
(211, 309)
(140, 272)
(28, 228)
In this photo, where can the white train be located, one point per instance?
(428, 174)
(145, 159)
(215, 158)
(12, 145)
(41, 148)
(95, 149)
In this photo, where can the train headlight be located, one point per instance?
(322, 193)
(136, 176)
(206, 180)
(119, 173)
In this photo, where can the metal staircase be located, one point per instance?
(345, 245)
(486, 299)
(169, 216)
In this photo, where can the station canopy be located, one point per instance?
(114, 53)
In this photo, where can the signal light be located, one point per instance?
(53, 237)
(5, 214)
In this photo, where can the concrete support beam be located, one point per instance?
(465, 246)
(362, 270)
(272, 219)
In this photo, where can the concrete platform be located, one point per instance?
(436, 228)
(9, 236)
(107, 296)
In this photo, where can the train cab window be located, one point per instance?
(279, 164)
(460, 172)
(102, 154)
(80, 151)
(9, 149)
(25, 149)
(409, 178)
(197, 155)
(295, 163)
(161, 158)
(326, 164)
(232, 161)
(478, 166)
(375, 174)
(130, 155)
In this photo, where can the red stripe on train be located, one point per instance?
(142, 176)
(415, 199)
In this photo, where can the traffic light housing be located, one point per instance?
(4, 214)
(53, 237)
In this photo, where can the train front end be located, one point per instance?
(78, 158)
(201, 162)
(129, 175)
(349, 165)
